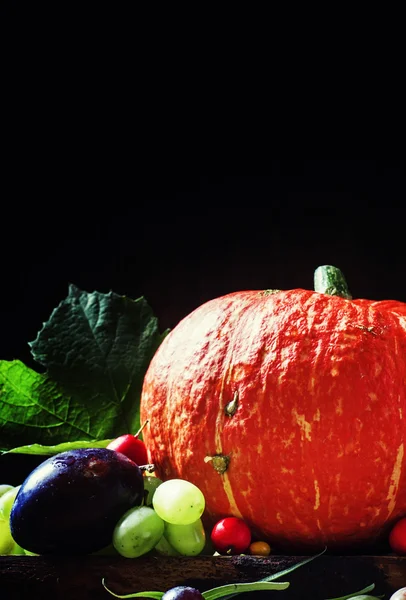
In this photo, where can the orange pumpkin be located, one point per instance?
(286, 408)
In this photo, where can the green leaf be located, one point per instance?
(233, 589)
(41, 450)
(365, 597)
(153, 595)
(96, 349)
(293, 567)
(238, 588)
(283, 572)
(32, 408)
(359, 595)
(215, 593)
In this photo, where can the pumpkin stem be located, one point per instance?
(330, 280)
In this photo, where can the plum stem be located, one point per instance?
(150, 468)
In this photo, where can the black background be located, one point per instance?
(181, 239)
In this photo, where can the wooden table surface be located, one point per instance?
(80, 578)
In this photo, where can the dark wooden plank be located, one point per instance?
(80, 578)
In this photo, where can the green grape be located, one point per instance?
(7, 501)
(6, 541)
(178, 501)
(16, 549)
(150, 485)
(164, 548)
(137, 532)
(7, 544)
(188, 540)
(5, 488)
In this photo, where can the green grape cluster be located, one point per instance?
(169, 521)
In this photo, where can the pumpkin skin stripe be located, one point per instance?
(232, 508)
(316, 443)
(394, 481)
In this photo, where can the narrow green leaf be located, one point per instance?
(96, 349)
(358, 594)
(153, 595)
(272, 577)
(362, 597)
(292, 567)
(41, 450)
(365, 597)
(238, 588)
(233, 589)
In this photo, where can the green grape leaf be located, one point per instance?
(95, 349)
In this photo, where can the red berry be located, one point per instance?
(231, 535)
(397, 537)
(132, 447)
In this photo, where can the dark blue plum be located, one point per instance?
(72, 501)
